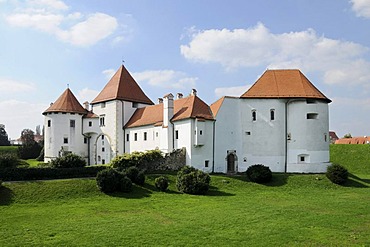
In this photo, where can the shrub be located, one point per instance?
(192, 181)
(259, 173)
(8, 160)
(142, 160)
(68, 161)
(121, 162)
(337, 174)
(161, 183)
(31, 151)
(124, 183)
(108, 180)
(136, 176)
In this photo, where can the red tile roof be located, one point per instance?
(67, 102)
(354, 140)
(122, 87)
(189, 107)
(290, 83)
(90, 114)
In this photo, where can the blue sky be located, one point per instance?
(218, 47)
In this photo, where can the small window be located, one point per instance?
(102, 120)
(135, 105)
(302, 158)
(201, 132)
(311, 101)
(135, 137)
(248, 133)
(127, 137)
(176, 134)
(90, 123)
(312, 115)
(103, 161)
(206, 163)
(65, 140)
(254, 115)
(72, 123)
(49, 123)
(272, 114)
(145, 136)
(85, 140)
(99, 158)
(102, 105)
(325, 137)
(102, 137)
(156, 134)
(103, 149)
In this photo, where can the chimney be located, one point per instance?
(160, 100)
(87, 105)
(179, 95)
(51, 103)
(167, 109)
(193, 92)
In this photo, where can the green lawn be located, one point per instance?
(9, 149)
(293, 210)
(356, 158)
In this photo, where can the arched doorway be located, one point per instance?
(231, 160)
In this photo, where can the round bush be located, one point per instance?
(124, 183)
(192, 181)
(140, 179)
(68, 161)
(108, 180)
(161, 183)
(8, 160)
(259, 173)
(136, 176)
(337, 174)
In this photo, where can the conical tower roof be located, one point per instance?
(67, 102)
(122, 87)
(287, 83)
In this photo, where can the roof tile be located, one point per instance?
(67, 102)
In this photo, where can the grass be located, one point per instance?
(356, 158)
(9, 149)
(292, 210)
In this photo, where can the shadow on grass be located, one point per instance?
(6, 196)
(213, 191)
(356, 182)
(136, 193)
(278, 179)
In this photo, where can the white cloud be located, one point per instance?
(231, 91)
(166, 78)
(12, 86)
(87, 94)
(49, 16)
(96, 27)
(338, 61)
(361, 8)
(109, 73)
(14, 113)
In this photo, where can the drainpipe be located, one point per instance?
(213, 146)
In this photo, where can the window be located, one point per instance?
(325, 137)
(302, 158)
(72, 123)
(248, 133)
(311, 101)
(176, 134)
(103, 149)
(206, 163)
(156, 134)
(102, 120)
(312, 115)
(102, 137)
(85, 140)
(272, 114)
(135, 105)
(49, 123)
(90, 123)
(135, 137)
(254, 115)
(102, 105)
(65, 140)
(201, 132)
(103, 161)
(145, 136)
(127, 137)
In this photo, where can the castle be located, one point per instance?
(281, 121)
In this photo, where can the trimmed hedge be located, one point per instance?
(337, 174)
(259, 173)
(34, 173)
(8, 160)
(161, 183)
(192, 181)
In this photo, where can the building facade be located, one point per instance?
(281, 121)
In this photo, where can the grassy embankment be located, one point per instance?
(292, 210)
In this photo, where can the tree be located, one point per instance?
(30, 149)
(38, 130)
(347, 135)
(4, 140)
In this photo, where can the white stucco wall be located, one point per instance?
(60, 128)
(153, 137)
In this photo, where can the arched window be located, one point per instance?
(254, 115)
